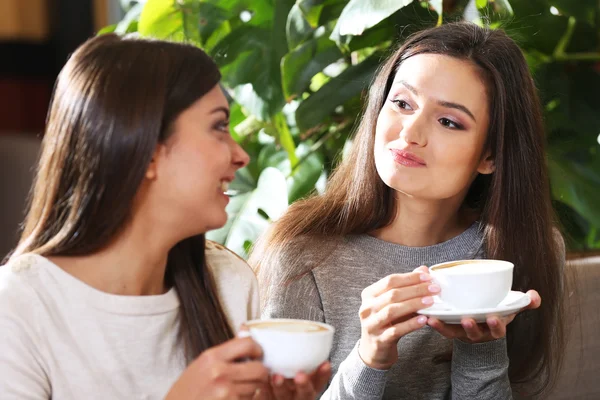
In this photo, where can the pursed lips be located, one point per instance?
(406, 158)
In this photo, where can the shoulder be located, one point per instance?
(236, 283)
(20, 288)
(225, 264)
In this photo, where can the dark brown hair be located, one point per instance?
(114, 101)
(514, 202)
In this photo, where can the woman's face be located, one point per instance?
(196, 164)
(432, 128)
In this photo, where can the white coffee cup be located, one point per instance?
(291, 345)
(473, 284)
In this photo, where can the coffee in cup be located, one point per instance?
(291, 345)
(473, 284)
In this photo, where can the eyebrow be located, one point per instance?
(442, 103)
(223, 109)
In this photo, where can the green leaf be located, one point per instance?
(202, 19)
(311, 10)
(318, 12)
(162, 20)
(245, 222)
(314, 109)
(130, 20)
(306, 174)
(481, 3)
(300, 65)
(247, 60)
(576, 185)
(360, 15)
(439, 9)
(107, 29)
(298, 29)
(285, 138)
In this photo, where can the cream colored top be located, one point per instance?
(62, 339)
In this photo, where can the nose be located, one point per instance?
(413, 130)
(239, 157)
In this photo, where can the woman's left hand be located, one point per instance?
(302, 387)
(471, 332)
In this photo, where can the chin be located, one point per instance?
(217, 222)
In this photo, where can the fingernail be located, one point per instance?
(467, 324)
(434, 288)
(425, 277)
(427, 300)
(278, 380)
(492, 322)
(422, 319)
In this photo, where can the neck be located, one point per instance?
(133, 264)
(421, 222)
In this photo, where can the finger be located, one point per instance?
(398, 330)
(247, 371)
(321, 376)
(394, 281)
(304, 387)
(536, 300)
(391, 313)
(422, 269)
(279, 389)
(246, 390)
(403, 294)
(446, 330)
(473, 331)
(236, 349)
(497, 327)
(263, 393)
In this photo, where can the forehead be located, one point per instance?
(444, 78)
(212, 99)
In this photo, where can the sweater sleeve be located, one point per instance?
(22, 375)
(300, 299)
(480, 371)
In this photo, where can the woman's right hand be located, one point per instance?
(388, 312)
(218, 373)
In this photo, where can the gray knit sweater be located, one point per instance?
(331, 293)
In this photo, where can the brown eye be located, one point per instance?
(222, 126)
(450, 124)
(402, 104)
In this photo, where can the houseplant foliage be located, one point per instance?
(297, 72)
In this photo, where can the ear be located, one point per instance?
(152, 171)
(487, 165)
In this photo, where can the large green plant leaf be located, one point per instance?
(298, 29)
(129, 23)
(301, 182)
(576, 185)
(318, 12)
(250, 59)
(161, 19)
(359, 15)
(301, 64)
(317, 107)
(247, 212)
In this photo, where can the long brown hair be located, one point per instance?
(114, 101)
(514, 202)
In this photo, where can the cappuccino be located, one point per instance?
(288, 326)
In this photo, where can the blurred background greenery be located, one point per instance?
(297, 72)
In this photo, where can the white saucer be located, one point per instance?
(512, 303)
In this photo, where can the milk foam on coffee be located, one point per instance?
(289, 327)
(468, 268)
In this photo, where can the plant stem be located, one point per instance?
(559, 52)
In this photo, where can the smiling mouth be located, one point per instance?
(227, 191)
